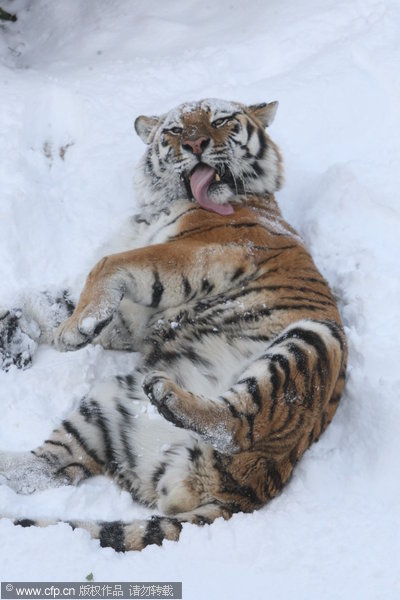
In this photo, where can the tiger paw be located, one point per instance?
(163, 394)
(26, 473)
(80, 329)
(18, 339)
(68, 337)
(88, 320)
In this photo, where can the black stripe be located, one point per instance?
(80, 466)
(49, 457)
(69, 428)
(263, 144)
(294, 456)
(254, 337)
(101, 421)
(253, 389)
(311, 437)
(246, 153)
(201, 520)
(194, 357)
(158, 354)
(187, 288)
(250, 130)
(158, 473)
(313, 301)
(336, 332)
(334, 399)
(198, 332)
(310, 306)
(68, 303)
(25, 522)
(285, 366)
(11, 328)
(112, 535)
(232, 486)
(123, 426)
(300, 357)
(235, 414)
(227, 224)
(194, 454)
(61, 444)
(149, 166)
(239, 271)
(206, 286)
(309, 337)
(185, 212)
(139, 220)
(275, 479)
(250, 435)
(158, 290)
(321, 281)
(124, 412)
(119, 315)
(198, 229)
(297, 289)
(275, 381)
(101, 325)
(323, 422)
(234, 295)
(277, 433)
(85, 410)
(258, 169)
(127, 382)
(269, 258)
(247, 316)
(154, 534)
(321, 387)
(164, 410)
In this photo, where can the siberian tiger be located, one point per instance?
(243, 353)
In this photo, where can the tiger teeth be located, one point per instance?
(217, 177)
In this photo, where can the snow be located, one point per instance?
(73, 77)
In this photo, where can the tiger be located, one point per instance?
(242, 350)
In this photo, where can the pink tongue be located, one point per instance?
(200, 182)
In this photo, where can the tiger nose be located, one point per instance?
(196, 146)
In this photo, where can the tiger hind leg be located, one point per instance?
(112, 434)
(79, 448)
(292, 388)
(60, 460)
(116, 432)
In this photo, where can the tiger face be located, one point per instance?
(212, 152)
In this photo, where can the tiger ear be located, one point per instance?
(264, 112)
(144, 126)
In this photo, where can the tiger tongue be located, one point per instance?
(200, 182)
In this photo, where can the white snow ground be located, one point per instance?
(75, 73)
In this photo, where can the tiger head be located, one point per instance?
(211, 151)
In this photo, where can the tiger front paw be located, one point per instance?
(76, 332)
(68, 337)
(88, 320)
(18, 339)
